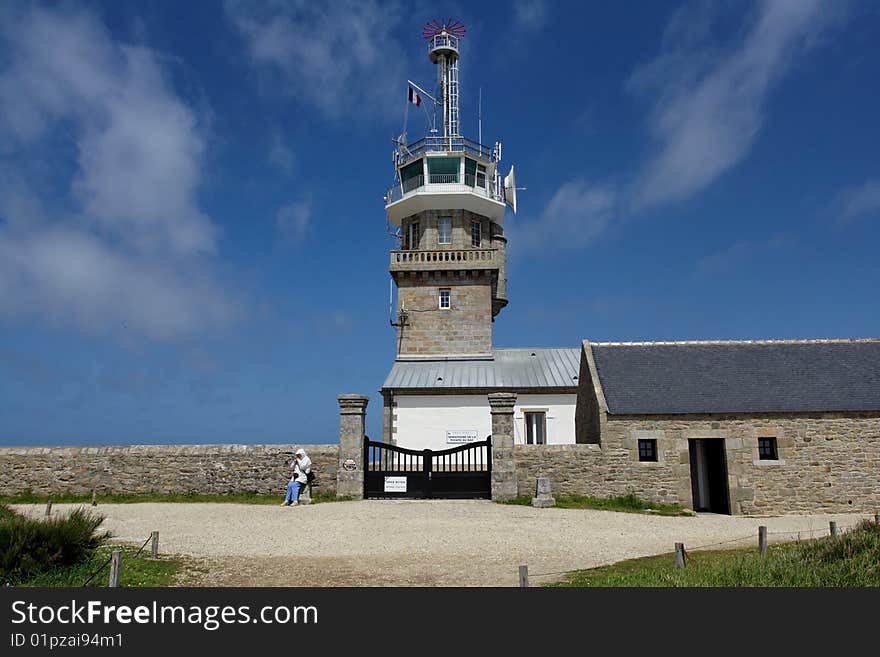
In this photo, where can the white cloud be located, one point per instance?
(862, 200)
(530, 15)
(574, 217)
(708, 104)
(742, 251)
(292, 221)
(117, 239)
(280, 154)
(341, 57)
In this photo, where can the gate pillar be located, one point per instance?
(503, 461)
(350, 470)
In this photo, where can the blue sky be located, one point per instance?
(192, 238)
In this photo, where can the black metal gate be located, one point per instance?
(459, 472)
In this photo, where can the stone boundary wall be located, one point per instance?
(161, 468)
(828, 463)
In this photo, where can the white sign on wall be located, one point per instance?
(395, 484)
(460, 436)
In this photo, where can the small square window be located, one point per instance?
(648, 450)
(444, 230)
(445, 298)
(767, 449)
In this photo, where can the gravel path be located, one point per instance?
(421, 543)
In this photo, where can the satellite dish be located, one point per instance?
(510, 190)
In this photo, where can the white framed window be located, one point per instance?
(476, 234)
(445, 298)
(444, 230)
(536, 427)
(414, 235)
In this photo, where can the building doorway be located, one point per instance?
(709, 475)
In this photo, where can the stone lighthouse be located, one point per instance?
(447, 204)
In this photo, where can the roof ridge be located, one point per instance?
(534, 348)
(734, 342)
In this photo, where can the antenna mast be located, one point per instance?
(443, 41)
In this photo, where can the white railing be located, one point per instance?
(444, 182)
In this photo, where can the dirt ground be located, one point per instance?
(416, 542)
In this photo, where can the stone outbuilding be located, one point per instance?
(748, 427)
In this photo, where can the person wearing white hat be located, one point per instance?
(302, 467)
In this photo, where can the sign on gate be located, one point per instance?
(460, 436)
(395, 484)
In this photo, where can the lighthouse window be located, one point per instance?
(481, 176)
(443, 169)
(445, 298)
(470, 170)
(444, 230)
(475, 234)
(414, 235)
(411, 176)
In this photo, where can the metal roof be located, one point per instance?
(739, 377)
(508, 369)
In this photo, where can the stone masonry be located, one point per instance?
(475, 273)
(464, 328)
(160, 468)
(828, 462)
(504, 474)
(350, 470)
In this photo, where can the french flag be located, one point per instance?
(414, 98)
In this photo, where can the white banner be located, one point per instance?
(395, 484)
(460, 436)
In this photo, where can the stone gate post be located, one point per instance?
(350, 473)
(503, 461)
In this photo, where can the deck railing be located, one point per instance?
(458, 258)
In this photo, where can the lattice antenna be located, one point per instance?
(443, 37)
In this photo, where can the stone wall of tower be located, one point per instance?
(465, 328)
(461, 229)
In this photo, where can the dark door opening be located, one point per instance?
(709, 475)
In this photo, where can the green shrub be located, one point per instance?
(30, 545)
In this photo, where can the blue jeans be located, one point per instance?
(293, 491)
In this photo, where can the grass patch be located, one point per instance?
(329, 496)
(629, 503)
(136, 571)
(134, 498)
(849, 560)
(31, 546)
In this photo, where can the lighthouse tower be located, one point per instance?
(447, 204)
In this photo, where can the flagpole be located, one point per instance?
(480, 115)
(424, 93)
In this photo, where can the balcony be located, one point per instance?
(444, 259)
(444, 191)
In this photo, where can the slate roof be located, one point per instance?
(508, 369)
(739, 377)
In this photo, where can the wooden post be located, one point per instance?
(833, 526)
(49, 508)
(762, 540)
(154, 545)
(115, 568)
(524, 577)
(94, 498)
(877, 518)
(679, 555)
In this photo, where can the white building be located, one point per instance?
(441, 403)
